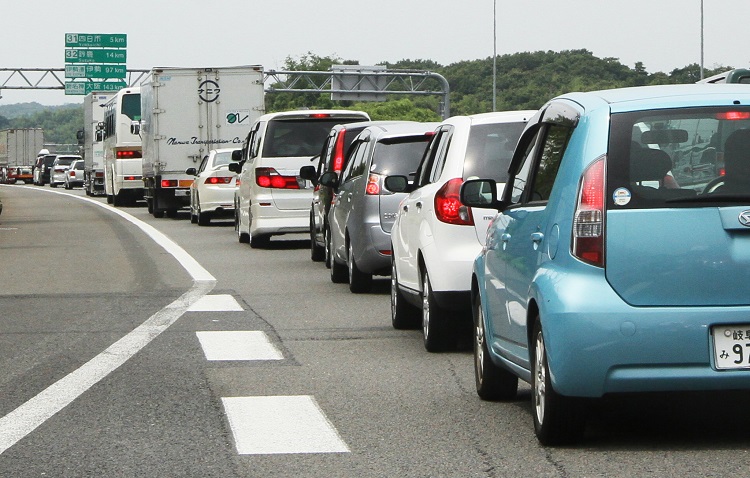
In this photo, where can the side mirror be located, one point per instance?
(480, 193)
(397, 184)
(237, 155)
(80, 136)
(191, 171)
(99, 136)
(235, 167)
(308, 172)
(135, 127)
(330, 179)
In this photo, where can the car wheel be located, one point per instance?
(242, 237)
(403, 314)
(67, 186)
(358, 281)
(435, 320)
(204, 218)
(493, 382)
(118, 200)
(193, 217)
(260, 241)
(558, 420)
(339, 273)
(110, 199)
(53, 185)
(317, 253)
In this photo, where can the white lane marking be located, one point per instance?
(26, 418)
(216, 303)
(237, 345)
(281, 424)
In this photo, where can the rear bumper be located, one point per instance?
(272, 221)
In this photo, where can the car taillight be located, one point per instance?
(72, 174)
(588, 223)
(373, 187)
(270, 178)
(131, 178)
(99, 174)
(448, 207)
(219, 180)
(338, 151)
(169, 183)
(128, 154)
(733, 115)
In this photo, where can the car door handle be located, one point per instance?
(419, 204)
(406, 208)
(505, 237)
(537, 237)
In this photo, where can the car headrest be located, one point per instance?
(648, 164)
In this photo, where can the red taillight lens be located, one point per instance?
(99, 174)
(588, 225)
(373, 185)
(448, 207)
(270, 178)
(169, 183)
(128, 154)
(320, 115)
(219, 180)
(338, 151)
(72, 174)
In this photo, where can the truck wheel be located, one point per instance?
(110, 199)
(204, 218)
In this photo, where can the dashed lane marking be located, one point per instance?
(238, 345)
(216, 303)
(281, 424)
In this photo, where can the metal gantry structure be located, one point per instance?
(350, 84)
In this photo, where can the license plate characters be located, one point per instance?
(731, 346)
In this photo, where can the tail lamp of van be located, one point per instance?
(448, 207)
(588, 222)
(338, 151)
(128, 154)
(270, 178)
(218, 180)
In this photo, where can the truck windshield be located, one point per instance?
(131, 106)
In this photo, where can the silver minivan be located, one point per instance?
(363, 210)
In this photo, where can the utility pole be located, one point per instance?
(494, 56)
(701, 39)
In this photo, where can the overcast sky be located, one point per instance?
(663, 34)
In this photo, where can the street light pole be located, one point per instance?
(701, 39)
(494, 56)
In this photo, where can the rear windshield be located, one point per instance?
(679, 158)
(300, 137)
(131, 106)
(401, 158)
(490, 150)
(222, 158)
(48, 160)
(65, 161)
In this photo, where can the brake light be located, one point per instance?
(219, 180)
(99, 174)
(338, 151)
(320, 115)
(448, 207)
(373, 185)
(588, 225)
(128, 154)
(131, 178)
(733, 115)
(169, 183)
(270, 178)
(72, 174)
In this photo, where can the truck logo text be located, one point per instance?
(209, 91)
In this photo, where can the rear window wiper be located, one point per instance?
(709, 198)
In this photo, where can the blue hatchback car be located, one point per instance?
(619, 259)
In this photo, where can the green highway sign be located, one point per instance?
(95, 56)
(96, 40)
(95, 71)
(86, 87)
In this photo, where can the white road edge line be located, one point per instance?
(26, 418)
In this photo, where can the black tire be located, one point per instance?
(339, 272)
(359, 281)
(53, 185)
(403, 314)
(260, 241)
(327, 245)
(118, 200)
(317, 253)
(66, 186)
(242, 237)
(436, 325)
(171, 213)
(558, 420)
(204, 218)
(193, 217)
(110, 199)
(492, 382)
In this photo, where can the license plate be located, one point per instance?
(731, 346)
(182, 192)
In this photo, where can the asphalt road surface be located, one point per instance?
(132, 346)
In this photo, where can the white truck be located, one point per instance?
(185, 113)
(18, 150)
(93, 142)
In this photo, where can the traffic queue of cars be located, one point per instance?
(599, 245)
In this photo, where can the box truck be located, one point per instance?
(18, 150)
(186, 112)
(92, 137)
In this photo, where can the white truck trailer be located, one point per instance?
(93, 142)
(185, 113)
(18, 150)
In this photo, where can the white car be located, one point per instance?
(74, 174)
(59, 166)
(435, 239)
(212, 191)
(272, 198)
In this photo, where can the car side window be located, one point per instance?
(254, 141)
(521, 178)
(202, 167)
(442, 154)
(428, 160)
(536, 177)
(357, 164)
